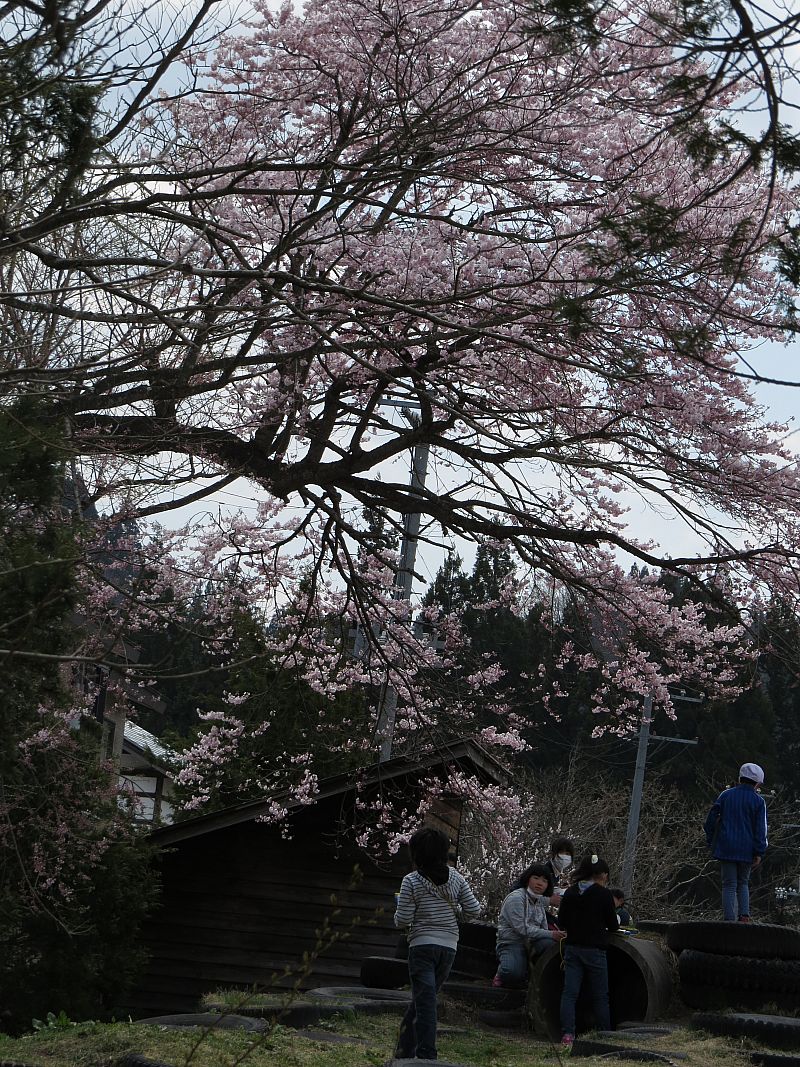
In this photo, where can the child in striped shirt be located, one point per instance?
(431, 901)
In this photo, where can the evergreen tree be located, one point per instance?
(496, 632)
(180, 660)
(73, 881)
(780, 664)
(449, 588)
(728, 731)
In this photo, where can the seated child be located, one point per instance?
(623, 914)
(522, 928)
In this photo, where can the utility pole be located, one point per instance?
(632, 832)
(403, 582)
(404, 579)
(629, 856)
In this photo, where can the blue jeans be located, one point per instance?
(428, 967)
(512, 963)
(590, 964)
(735, 889)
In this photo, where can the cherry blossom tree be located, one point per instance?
(552, 234)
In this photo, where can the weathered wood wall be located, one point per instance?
(240, 905)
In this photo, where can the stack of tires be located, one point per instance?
(475, 955)
(475, 958)
(470, 979)
(744, 966)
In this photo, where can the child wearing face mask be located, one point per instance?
(522, 929)
(562, 855)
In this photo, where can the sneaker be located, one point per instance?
(496, 983)
(745, 919)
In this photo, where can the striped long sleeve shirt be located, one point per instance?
(736, 825)
(432, 911)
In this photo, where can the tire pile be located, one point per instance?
(744, 966)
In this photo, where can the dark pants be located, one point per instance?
(428, 967)
(589, 965)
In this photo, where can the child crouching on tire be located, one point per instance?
(522, 929)
(588, 915)
(431, 901)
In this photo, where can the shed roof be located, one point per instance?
(147, 744)
(466, 754)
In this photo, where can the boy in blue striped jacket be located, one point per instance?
(431, 901)
(736, 832)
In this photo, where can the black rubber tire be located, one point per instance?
(739, 972)
(654, 926)
(302, 1015)
(711, 998)
(475, 961)
(366, 1007)
(504, 1020)
(401, 952)
(360, 992)
(478, 935)
(585, 1047)
(754, 940)
(774, 1059)
(645, 1032)
(705, 998)
(252, 1011)
(208, 1020)
(485, 996)
(308, 1011)
(641, 984)
(776, 1030)
(654, 1029)
(383, 972)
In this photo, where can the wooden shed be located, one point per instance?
(242, 901)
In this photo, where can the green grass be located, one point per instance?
(234, 1000)
(97, 1045)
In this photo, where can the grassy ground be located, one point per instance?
(365, 1041)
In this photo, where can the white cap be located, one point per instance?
(753, 771)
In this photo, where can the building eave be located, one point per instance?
(464, 752)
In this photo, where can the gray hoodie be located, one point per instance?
(523, 919)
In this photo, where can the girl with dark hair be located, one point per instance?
(587, 914)
(431, 901)
(561, 858)
(522, 925)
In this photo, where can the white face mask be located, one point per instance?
(563, 860)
